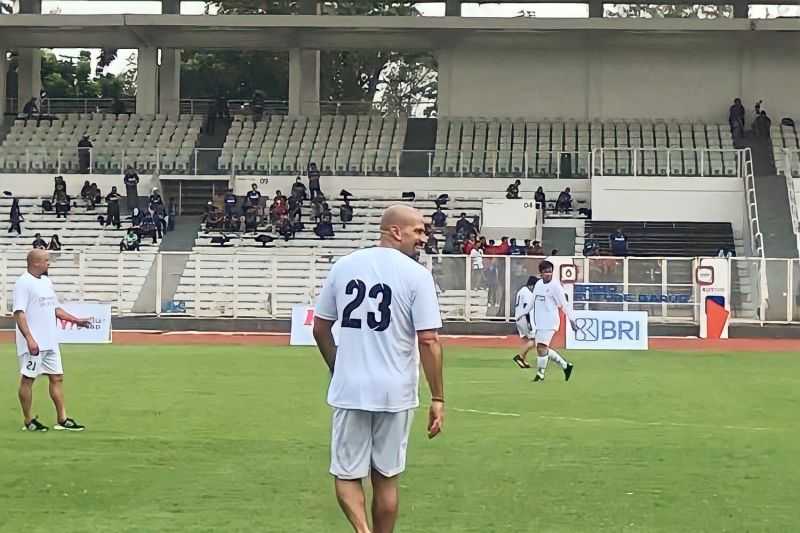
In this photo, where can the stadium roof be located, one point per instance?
(339, 32)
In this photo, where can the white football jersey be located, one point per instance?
(523, 303)
(37, 299)
(547, 299)
(381, 298)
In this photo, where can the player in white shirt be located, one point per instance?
(36, 309)
(523, 304)
(548, 298)
(387, 307)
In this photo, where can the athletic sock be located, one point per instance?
(541, 364)
(556, 357)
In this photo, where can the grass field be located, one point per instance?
(235, 438)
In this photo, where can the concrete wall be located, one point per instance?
(28, 185)
(669, 199)
(622, 75)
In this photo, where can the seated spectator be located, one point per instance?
(253, 196)
(619, 243)
(540, 199)
(38, 242)
(450, 246)
(97, 194)
(564, 202)
(512, 192)
(324, 230)
(327, 215)
(215, 219)
(234, 222)
(230, 202)
(283, 227)
(30, 108)
(118, 106)
(280, 197)
(278, 208)
(55, 243)
(295, 213)
(251, 219)
(87, 194)
(554, 251)
(346, 212)
(156, 202)
(476, 223)
(536, 249)
(299, 190)
(514, 249)
(207, 210)
(491, 248)
(149, 227)
(504, 248)
(316, 207)
(463, 226)
(439, 218)
(468, 246)
(136, 217)
(130, 242)
(15, 217)
(432, 246)
(591, 248)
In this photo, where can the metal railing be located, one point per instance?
(251, 282)
(662, 161)
(792, 190)
(757, 238)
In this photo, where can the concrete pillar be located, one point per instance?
(741, 9)
(3, 77)
(304, 82)
(29, 75)
(452, 8)
(444, 58)
(170, 7)
(596, 9)
(30, 7)
(169, 81)
(147, 81)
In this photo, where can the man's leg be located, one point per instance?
(384, 502)
(541, 361)
(350, 494)
(57, 395)
(26, 397)
(565, 365)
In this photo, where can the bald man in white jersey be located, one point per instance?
(388, 310)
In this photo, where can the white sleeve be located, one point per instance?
(561, 300)
(21, 296)
(326, 301)
(425, 312)
(55, 295)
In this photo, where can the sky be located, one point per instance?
(431, 10)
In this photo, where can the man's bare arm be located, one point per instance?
(430, 354)
(61, 314)
(323, 334)
(22, 324)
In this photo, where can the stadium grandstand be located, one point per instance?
(654, 162)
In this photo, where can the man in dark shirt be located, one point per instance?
(230, 202)
(514, 249)
(512, 192)
(253, 196)
(564, 202)
(84, 154)
(250, 219)
(736, 119)
(464, 226)
(299, 190)
(313, 180)
(112, 213)
(149, 226)
(38, 242)
(439, 218)
(346, 212)
(131, 180)
(284, 228)
(619, 243)
(156, 202)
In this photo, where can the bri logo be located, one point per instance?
(595, 329)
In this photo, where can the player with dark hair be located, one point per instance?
(548, 298)
(523, 305)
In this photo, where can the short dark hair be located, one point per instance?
(545, 265)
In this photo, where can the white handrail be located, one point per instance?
(636, 160)
(787, 172)
(757, 238)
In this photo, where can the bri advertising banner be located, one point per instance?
(98, 333)
(303, 324)
(608, 330)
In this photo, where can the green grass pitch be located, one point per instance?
(235, 438)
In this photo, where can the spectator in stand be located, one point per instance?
(118, 107)
(38, 242)
(736, 115)
(492, 279)
(84, 154)
(214, 219)
(209, 208)
(619, 243)
(98, 196)
(278, 208)
(155, 201)
(280, 197)
(131, 180)
(512, 191)
(554, 251)
(476, 262)
(324, 229)
(468, 246)
(15, 217)
(30, 108)
(299, 191)
(251, 219)
(432, 246)
(253, 197)
(327, 215)
(476, 223)
(283, 227)
(61, 201)
(55, 243)
(161, 224)
(514, 249)
(537, 249)
(345, 212)
(490, 248)
(233, 222)
(540, 198)
(230, 202)
(149, 227)
(87, 194)
(564, 202)
(591, 248)
(130, 242)
(313, 180)
(112, 203)
(136, 217)
(504, 247)
(464, 227)
(439, 218)
(295, 213)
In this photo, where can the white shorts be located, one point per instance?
(47, 362)
(361, 440)
(544, 336)
(524, 327)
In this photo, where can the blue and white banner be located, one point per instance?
(608, 330)
(98, 333)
